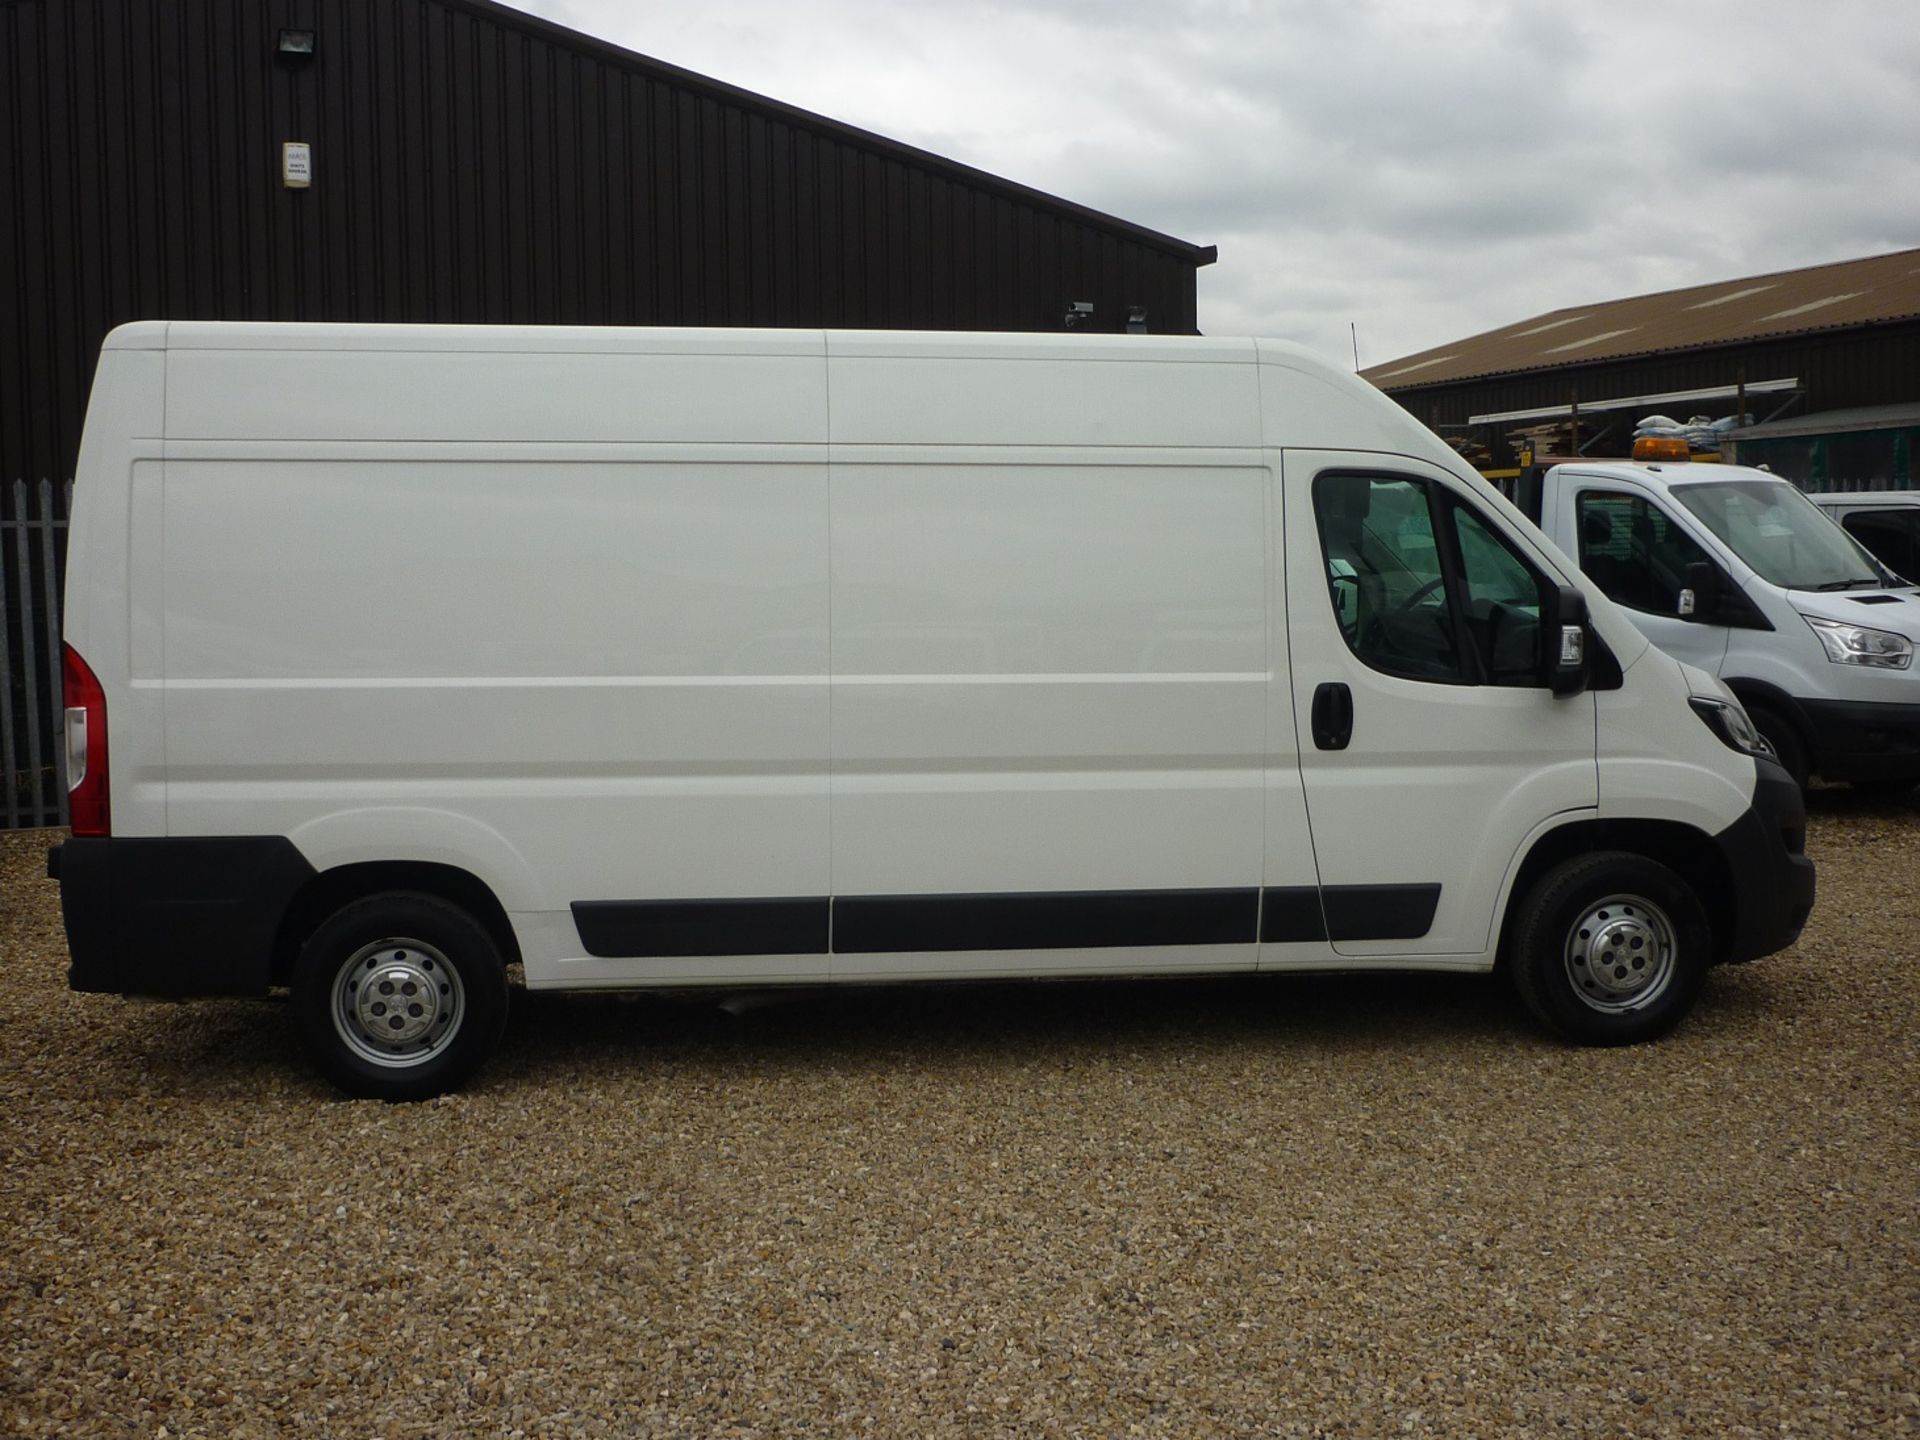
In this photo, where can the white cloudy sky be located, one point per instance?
(1425, 171)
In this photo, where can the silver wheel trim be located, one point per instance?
(1621, 954)
(397, 1003)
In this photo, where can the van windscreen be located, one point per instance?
(1776, 530)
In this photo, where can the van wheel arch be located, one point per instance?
(1688, 852)
(330, 890)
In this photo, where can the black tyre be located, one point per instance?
(1610, 948)
(399, 996)
(1788, 747)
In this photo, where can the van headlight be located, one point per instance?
(1730, 721)
(1857, 645)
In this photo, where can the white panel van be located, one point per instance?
(1735, 571)
(669, 658)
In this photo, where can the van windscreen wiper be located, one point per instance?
(1848, 584)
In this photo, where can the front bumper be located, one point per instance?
(175, 916)
(1858, 740)
(1773, 881)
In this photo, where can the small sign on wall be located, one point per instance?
(296, 164)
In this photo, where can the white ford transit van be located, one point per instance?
(668, 658)
(1735, 571)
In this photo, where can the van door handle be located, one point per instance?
(1332, 716)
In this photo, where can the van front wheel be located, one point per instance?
(399, 996)
(1610, 949)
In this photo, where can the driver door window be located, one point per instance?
(1384, 572)
(1423, 587)
(1635, 552)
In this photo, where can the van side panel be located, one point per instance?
(580, 680)
(1293, 925)
(1049, 679)
(492, 397)
(1049, 658)
(1015, 400)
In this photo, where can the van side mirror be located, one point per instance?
(1699, 601)
(1566, 632)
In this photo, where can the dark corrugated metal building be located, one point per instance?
(1847, 335)
(470, 163)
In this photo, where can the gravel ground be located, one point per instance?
(1297, 1207)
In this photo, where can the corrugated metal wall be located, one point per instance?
(474, 165)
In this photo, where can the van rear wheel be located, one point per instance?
(1610, 948)
(399, 996)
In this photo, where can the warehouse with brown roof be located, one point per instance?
(1820, 368)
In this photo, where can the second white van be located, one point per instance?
(670, 658)
(1736, 571)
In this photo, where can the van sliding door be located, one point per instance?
(1048, 709)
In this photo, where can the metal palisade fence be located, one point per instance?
(33, 564)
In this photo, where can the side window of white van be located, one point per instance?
(1502, 597)
(1424, 587)
(1634, 551)
(1383, 569)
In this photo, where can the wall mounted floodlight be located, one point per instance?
(1079, 315)
(296, 46)
(1136, 319)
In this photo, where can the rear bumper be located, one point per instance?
(1773, 880)
(1856, 740)
(175, 916)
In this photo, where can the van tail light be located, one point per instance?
(86, 746)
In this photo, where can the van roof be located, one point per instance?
(1668, 471)
(1166, 390)
(703, 340)
(683, 340)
